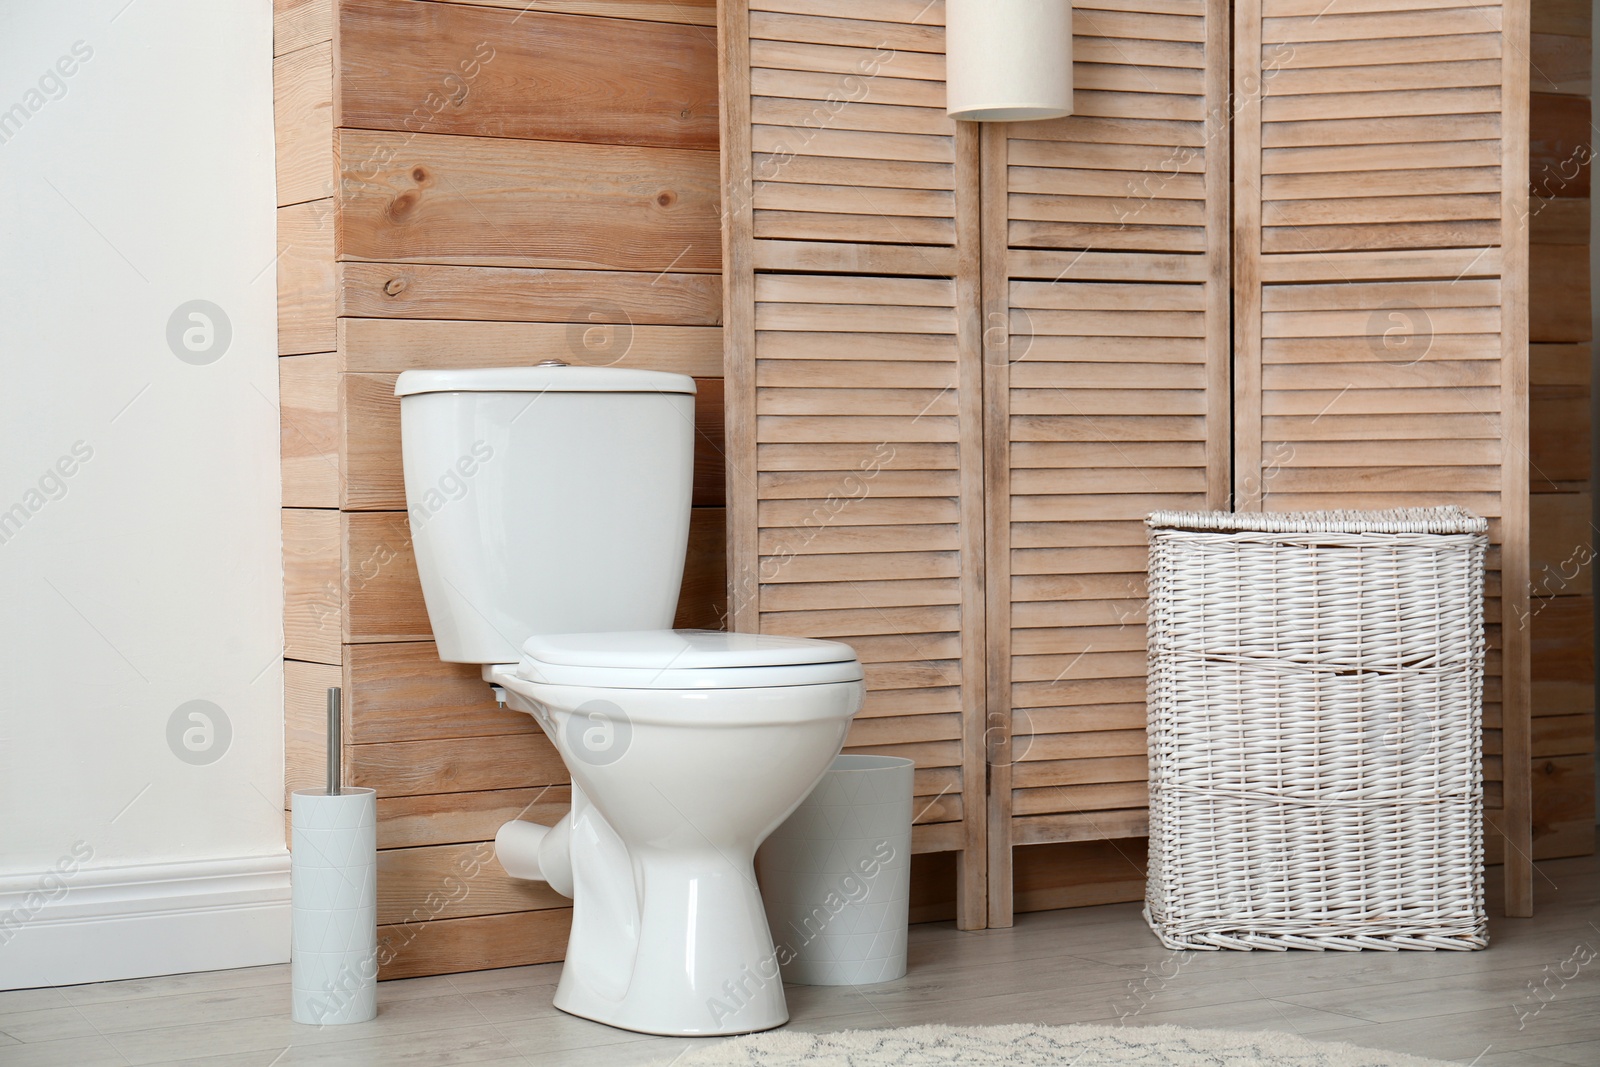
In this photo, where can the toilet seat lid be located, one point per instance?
(685, 659)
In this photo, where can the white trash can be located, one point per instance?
(836, 876)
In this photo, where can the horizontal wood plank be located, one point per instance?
(312, 584)
(297, 24)
(586, 298)
(459, 818)
(382, 594)
(402, 692)
(440, 882)
(436, 198)
(394, 345)
(458, 69)
(1080, 826)
(302, 119)
(308, 418)
(449, 946)
(457, 765)
(685, 12)
(306, 278)
(305, 730)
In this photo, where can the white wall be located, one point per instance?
(139, 492)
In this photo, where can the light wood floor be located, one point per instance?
(1084, 965)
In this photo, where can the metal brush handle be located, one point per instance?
(334, 746)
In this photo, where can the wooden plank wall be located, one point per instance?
(1106, 259)
(1561, 609)
(854, 384)
(1381, 331)
(470, 185)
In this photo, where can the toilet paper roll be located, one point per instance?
(334, 898)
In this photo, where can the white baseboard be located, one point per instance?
(103, 924)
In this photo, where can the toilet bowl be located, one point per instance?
(679, 772)
(549, 510)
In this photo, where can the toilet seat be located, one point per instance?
(685, 659)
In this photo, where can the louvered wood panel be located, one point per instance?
(1106, 360)
(1380, 244)
(854, 379)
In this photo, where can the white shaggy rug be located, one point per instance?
(1023, 1046)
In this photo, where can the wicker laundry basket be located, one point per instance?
(1315, 706)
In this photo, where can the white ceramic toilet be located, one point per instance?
(549, 512)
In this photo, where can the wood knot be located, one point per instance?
(401, 206)
(667, 198)
(395, 286)
(419, 174)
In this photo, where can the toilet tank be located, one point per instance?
(544, 500)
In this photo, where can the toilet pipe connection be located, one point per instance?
(537, 853)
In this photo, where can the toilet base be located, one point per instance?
(702, 963)
(669, 935)
(624, 1022)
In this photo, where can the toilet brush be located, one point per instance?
(334, 895)
(335, 761)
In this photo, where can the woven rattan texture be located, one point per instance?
(1315, 705)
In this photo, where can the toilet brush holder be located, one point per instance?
(333, 875)
(333, 949)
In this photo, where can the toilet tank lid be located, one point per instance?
(560, 379)
(671, 650)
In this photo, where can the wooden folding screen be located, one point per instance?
(966, 366)
(1380, 273)
(854, 379)
(1106, 286)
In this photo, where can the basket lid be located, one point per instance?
(1440, 520)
